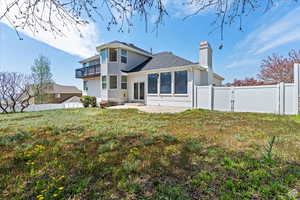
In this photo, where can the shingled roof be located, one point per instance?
(62, 89)
(159, 61)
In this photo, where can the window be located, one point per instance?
(181, 82)
(123, 82)
(85, 87)
(165, 83)
(152, 83)
(84, 64)
(103, 56)
(113, 55)
(104, 82)
(123, 56)
(113, 82)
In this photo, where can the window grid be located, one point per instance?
(103, 56)
(124, 54)
(113, 82)
(85, 87)
(153, 83)
(165, 83)
(113, 55)
(104, 82)
(169, 83)
(124, 82)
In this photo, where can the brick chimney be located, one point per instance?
(205, 59)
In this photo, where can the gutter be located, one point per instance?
(166, 69)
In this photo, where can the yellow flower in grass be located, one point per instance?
(55, 195)
(60, 188)
(40, 197)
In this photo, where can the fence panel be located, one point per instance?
(202, 98)
(279, 99)
(222, 98)
(39, 107)
(73, 105)
(263, 99)
(290, 98)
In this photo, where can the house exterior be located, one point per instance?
(56, 93)
(122, 72)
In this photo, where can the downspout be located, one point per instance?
(193, 93)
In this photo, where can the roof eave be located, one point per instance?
(89, 59)
(192, 66)
(98, 48)
(219, 77)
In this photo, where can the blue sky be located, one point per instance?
(276, 31)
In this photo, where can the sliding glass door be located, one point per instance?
(139, 91)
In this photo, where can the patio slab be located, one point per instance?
(151, 109)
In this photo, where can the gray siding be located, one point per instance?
(118, 95)
(94, 88)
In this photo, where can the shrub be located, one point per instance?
(88, 101)
(85, 100)
(93, 102)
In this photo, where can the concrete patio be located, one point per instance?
(151, 109)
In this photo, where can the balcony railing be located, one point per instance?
(89, 71)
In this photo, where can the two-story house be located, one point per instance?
(123, 72)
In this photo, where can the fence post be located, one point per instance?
(195, 97)
(210, 97)
(281, 98)
(232, 99)
(297, 86)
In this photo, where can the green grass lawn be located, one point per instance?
(127, 154)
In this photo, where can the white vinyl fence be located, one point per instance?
(282, 98)
(40, 107)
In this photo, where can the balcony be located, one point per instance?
(86, 72)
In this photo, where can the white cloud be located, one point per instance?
(273, 33)
(72, 41)
(242, 62)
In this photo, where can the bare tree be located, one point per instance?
(55, 15)
(15, 91)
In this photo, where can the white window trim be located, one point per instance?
(139, 92)
(123, 56)
(85, 85)
(106, 56)
(187, 84)
(121, 82)
(172, 84)
(109, 82)
(166, 94)
(158, 85)
(105, 82)
(108, 59)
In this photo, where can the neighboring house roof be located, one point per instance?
(73, 99)
(62, 89)
(217, 76)
(124, 44)
(96, 57)
(159, 61)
